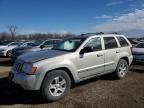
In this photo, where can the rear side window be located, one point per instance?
(122, 41)
(50, 42)
(110, 43)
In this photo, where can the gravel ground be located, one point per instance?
(100, 92)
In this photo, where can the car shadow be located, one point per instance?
(6, 63)
(137, 67)
(11, 94)
(107, 77)
(137, 71)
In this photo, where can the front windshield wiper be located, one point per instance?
(62, 50)
(59, 49)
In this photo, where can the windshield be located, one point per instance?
(5, 42)
(141, 45)
(36, 43)
(2, 43)
(69, 45)
(15, 43)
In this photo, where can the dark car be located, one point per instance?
(5, 42)
(133, 41)
(35, 46)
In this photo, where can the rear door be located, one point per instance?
(110, 52)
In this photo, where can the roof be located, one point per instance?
(86, 35)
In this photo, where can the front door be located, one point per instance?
(91, 63)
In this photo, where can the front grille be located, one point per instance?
(18, 66)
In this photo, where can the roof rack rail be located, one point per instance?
(99, 33)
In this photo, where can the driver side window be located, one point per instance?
(47, 43)
(95, 44)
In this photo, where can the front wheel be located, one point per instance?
(9, 53)
(122, 69)
(56, 85)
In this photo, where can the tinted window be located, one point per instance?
(141, 45)
(15, 43)
(36, 43)
(95, 44)
(110, 43)
(56, 42)
(122, 41)
(2, 43)
(48, 43)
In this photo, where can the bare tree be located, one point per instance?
(12, 29)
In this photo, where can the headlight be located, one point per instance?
(28, 68)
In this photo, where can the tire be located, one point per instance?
(56, 85)
(122, 69)
(9, 53)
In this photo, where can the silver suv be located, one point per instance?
(71, 61)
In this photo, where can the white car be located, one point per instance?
(26, 44)
(71, 61)
(4, 44)
(138, 52)
(5, 50)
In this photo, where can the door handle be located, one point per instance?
(99, 55)
(117, 52)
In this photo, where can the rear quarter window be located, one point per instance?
(110, 43)
(122, 41)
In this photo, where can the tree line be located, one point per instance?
(12, 35)
(33, 36)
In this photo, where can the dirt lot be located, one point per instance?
(99, 92)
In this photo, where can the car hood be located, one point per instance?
(138, 50)
(40, 55)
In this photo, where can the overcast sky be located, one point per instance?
(76, 16)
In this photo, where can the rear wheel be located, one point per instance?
(56, 85)
(122, 69)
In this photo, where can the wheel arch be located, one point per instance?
(126, 59)
(61, 68)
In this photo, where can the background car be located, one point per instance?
(5, 50)
(133, 41)
(27, 43)
(35, 46)
(138, 52)
(4, 43)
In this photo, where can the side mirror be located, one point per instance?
(42, 46)
(86, 50)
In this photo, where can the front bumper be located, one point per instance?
(28, 82)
